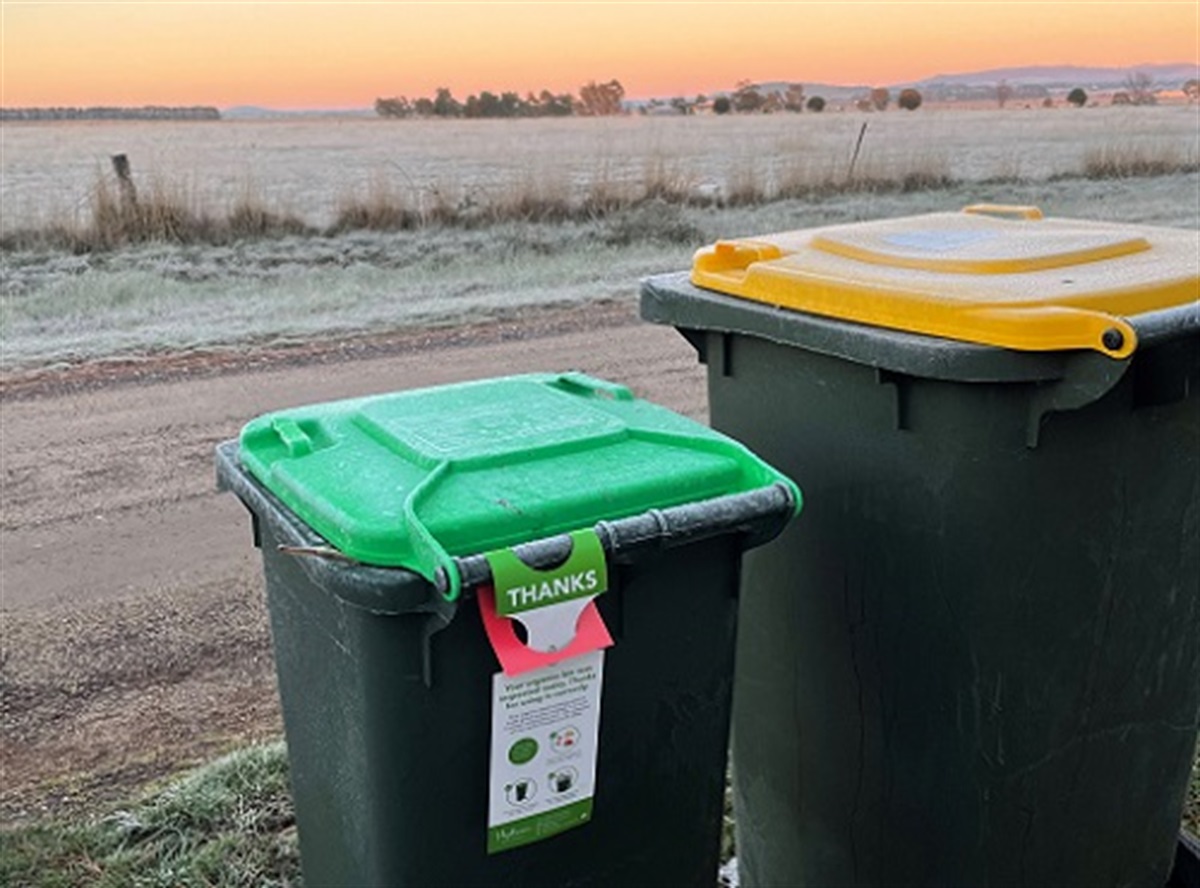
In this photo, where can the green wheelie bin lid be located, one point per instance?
(412, 478)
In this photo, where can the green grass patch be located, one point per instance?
(227, 824)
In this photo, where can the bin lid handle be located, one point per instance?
(1048, 328)
(1004, 211)
(433, 561)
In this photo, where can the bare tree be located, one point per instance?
(1004, 92)
(601, 99)
(793, 99)
(1140, 87)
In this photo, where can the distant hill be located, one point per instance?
(1029, 82)
(1170, 76)
(1068, 76)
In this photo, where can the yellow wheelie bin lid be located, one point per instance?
(993, 275)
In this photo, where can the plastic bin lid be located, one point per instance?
(992, 275)
(411, 478)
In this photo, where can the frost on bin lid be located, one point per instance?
(412, 478)
(991, 275)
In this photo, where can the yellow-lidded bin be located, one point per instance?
(975, 660)
(1003, 276)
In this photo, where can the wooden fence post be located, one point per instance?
(129, 197)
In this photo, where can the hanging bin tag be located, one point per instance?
(555, 606)
(546, 698)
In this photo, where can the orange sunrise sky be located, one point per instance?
(345, 54)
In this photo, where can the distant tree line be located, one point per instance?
(594, 100)
(1138, 89)
(751, 98)
(148, 112)
(604, 99)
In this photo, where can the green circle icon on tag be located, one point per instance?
(522, 751)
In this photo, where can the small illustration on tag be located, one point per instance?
(523, 751)
(565, 738)
(563, 779)
(520, 792)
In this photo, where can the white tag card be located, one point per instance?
(545, 732)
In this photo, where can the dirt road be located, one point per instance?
(134, 633)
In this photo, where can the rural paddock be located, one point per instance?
(308, 167)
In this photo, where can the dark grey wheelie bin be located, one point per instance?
(977, 659)
(371, 515)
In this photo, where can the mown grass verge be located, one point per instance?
(226, 825)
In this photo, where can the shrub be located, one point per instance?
(1077, 97)
(910, 99)
(655, 221)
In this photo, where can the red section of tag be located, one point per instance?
(590, 635)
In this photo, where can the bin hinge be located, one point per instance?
(1088, 377)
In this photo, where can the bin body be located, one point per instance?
(386, 686)
(977, 659)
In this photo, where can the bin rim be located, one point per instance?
(673, 299)
(755, 516)
(414, 477)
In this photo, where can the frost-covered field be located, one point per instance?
(308, 166)
(58, 307)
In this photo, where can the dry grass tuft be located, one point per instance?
(1127, 160)
(382, 208)
(664, 180)
(529, 198)
(167, 214)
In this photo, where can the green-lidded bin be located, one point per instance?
(977, 659)
(371, 515)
